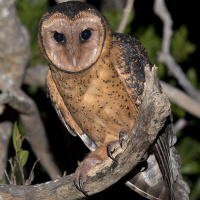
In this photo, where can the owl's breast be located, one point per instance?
(98, 102)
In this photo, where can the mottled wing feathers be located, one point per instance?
(129, 58)
(146, 179)
(169, 161)
(64, 114)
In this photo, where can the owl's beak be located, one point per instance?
(74, 62)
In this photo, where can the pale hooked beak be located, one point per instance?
(74, 62)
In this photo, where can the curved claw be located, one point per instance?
(79, 186)
(122, 136)
(110, 153)
(145, 157)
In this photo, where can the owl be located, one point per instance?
(95, 83)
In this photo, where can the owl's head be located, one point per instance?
(73, 35)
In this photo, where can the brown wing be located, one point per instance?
(64, 114)
(129, 58)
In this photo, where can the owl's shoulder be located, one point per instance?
(131, 45)
(129, 58)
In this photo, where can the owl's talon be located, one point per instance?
(122, 136)
(110, 152)
(145, 157)
(79, 186)
(82, 171)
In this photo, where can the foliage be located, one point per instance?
(30, 13)
(181, 47)
(114, 18)
(21, 156)
(18, 138)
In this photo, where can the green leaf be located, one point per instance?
(193, 77)
(181, 46)
(195, 192)
(16, 137)
(150, 39)
(189, 150)
(190, 168)
(178, 111)
(1, 181)
(23, 157)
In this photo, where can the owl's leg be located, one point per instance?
(115, 144)
(87, 164)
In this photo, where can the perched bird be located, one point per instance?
(95, 84)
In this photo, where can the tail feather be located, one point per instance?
(158, 177)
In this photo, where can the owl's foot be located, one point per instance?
(145, 157)
(82, 171)
(115, 144)
(122, 136)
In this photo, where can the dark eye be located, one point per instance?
(59, 37)
(86, 34)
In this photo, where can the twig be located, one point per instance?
(181, 99)
(180, 124)
(12, 176)
(126, 14)
(160, 9)
(5, 98)
(5, 172)
(18, 99)
(31, 176)
(36, 75)
(21, 170)
(60, 1)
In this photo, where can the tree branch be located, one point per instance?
(160, 9)
(154, 110)
(181, 99)
(126, 14)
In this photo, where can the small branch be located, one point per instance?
(60, 1)
(160, 9)
(5, 98)
(17, 98)
(21, 170)
(4, 170)
(126, 14)
(154, 110)
(181, 99)
(180, 124)
(31, 176)
(36, 75)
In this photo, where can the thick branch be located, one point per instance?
(17, 98)
(36, 75)
(152, 115)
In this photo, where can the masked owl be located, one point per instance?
(95, 83)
